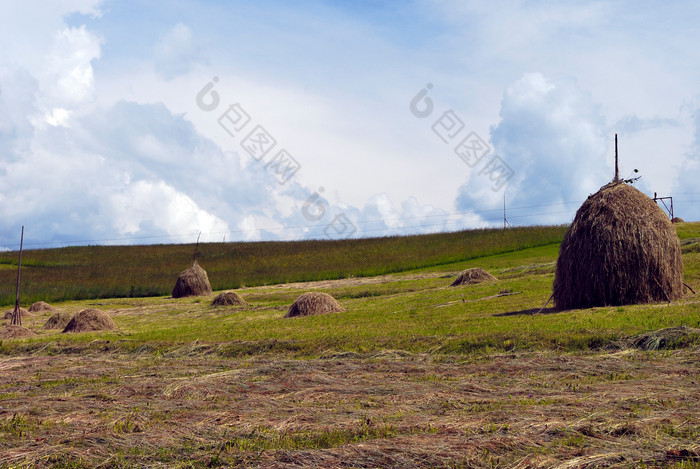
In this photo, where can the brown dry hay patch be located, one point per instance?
(40, 306)
(15, 332)
(313, 303)
(473, 276)
(355, 281)
(10, 312)
(228, 298)
(58, 320)
(620, 249)
(88, 320)
(201, 387)
(192, 281)
(527, 409)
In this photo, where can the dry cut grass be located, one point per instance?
(390, 409)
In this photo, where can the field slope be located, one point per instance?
(134, 271)
(413, 374)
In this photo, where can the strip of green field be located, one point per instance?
(90, 272)
(415, 312)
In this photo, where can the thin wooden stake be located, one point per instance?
(617, 171)
(545, 305)
(17, 315)
(194, 259)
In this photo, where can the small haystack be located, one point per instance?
(620, 249)
(90, 320)
(313, 303)
(228, 298)
(471, 276)
(192, 282)
(15, 332)
(40, 306)
(678, 220)
(22, 311)
(58, 320)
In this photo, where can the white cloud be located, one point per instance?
(554, 138)
(687, 190)
(145, 206)
(68, 77)
(93, 126)
(58, 117)
(175, 53)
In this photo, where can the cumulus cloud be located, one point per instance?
(107, 177)
(175, 52)
(687, 200)
(152, 206)
(68, 76)
(553, 136)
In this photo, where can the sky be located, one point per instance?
(132, 122)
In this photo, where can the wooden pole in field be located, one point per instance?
(17, 315)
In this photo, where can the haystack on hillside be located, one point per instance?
(90, 320)
(22, 311)
(228, 298)
(40, 306)
(58, 320)
(313, 303)
(620, 249)
(678, 220)
(15, 332)
(192, 282)
(472, 276)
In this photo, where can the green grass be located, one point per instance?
(415, 311)
(90, 272)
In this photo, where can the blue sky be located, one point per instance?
(102, 139)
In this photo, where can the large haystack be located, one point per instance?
(620, 249)
(192, 282)
(10, 312)
(90, 320)
(40, 306)
(472, 276)
(228, 298)
(58, 320)
(313, 303)
(15, 332)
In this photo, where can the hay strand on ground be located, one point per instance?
(228, 298)
(620, 249)
(58, 320)
(90, 320)
(193, 281)
(472, 276)
(313, 303)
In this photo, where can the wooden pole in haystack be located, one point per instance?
(17, 315)
(196, 247)
(617, 170)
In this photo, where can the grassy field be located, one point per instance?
(414, 374)
(89, 272)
